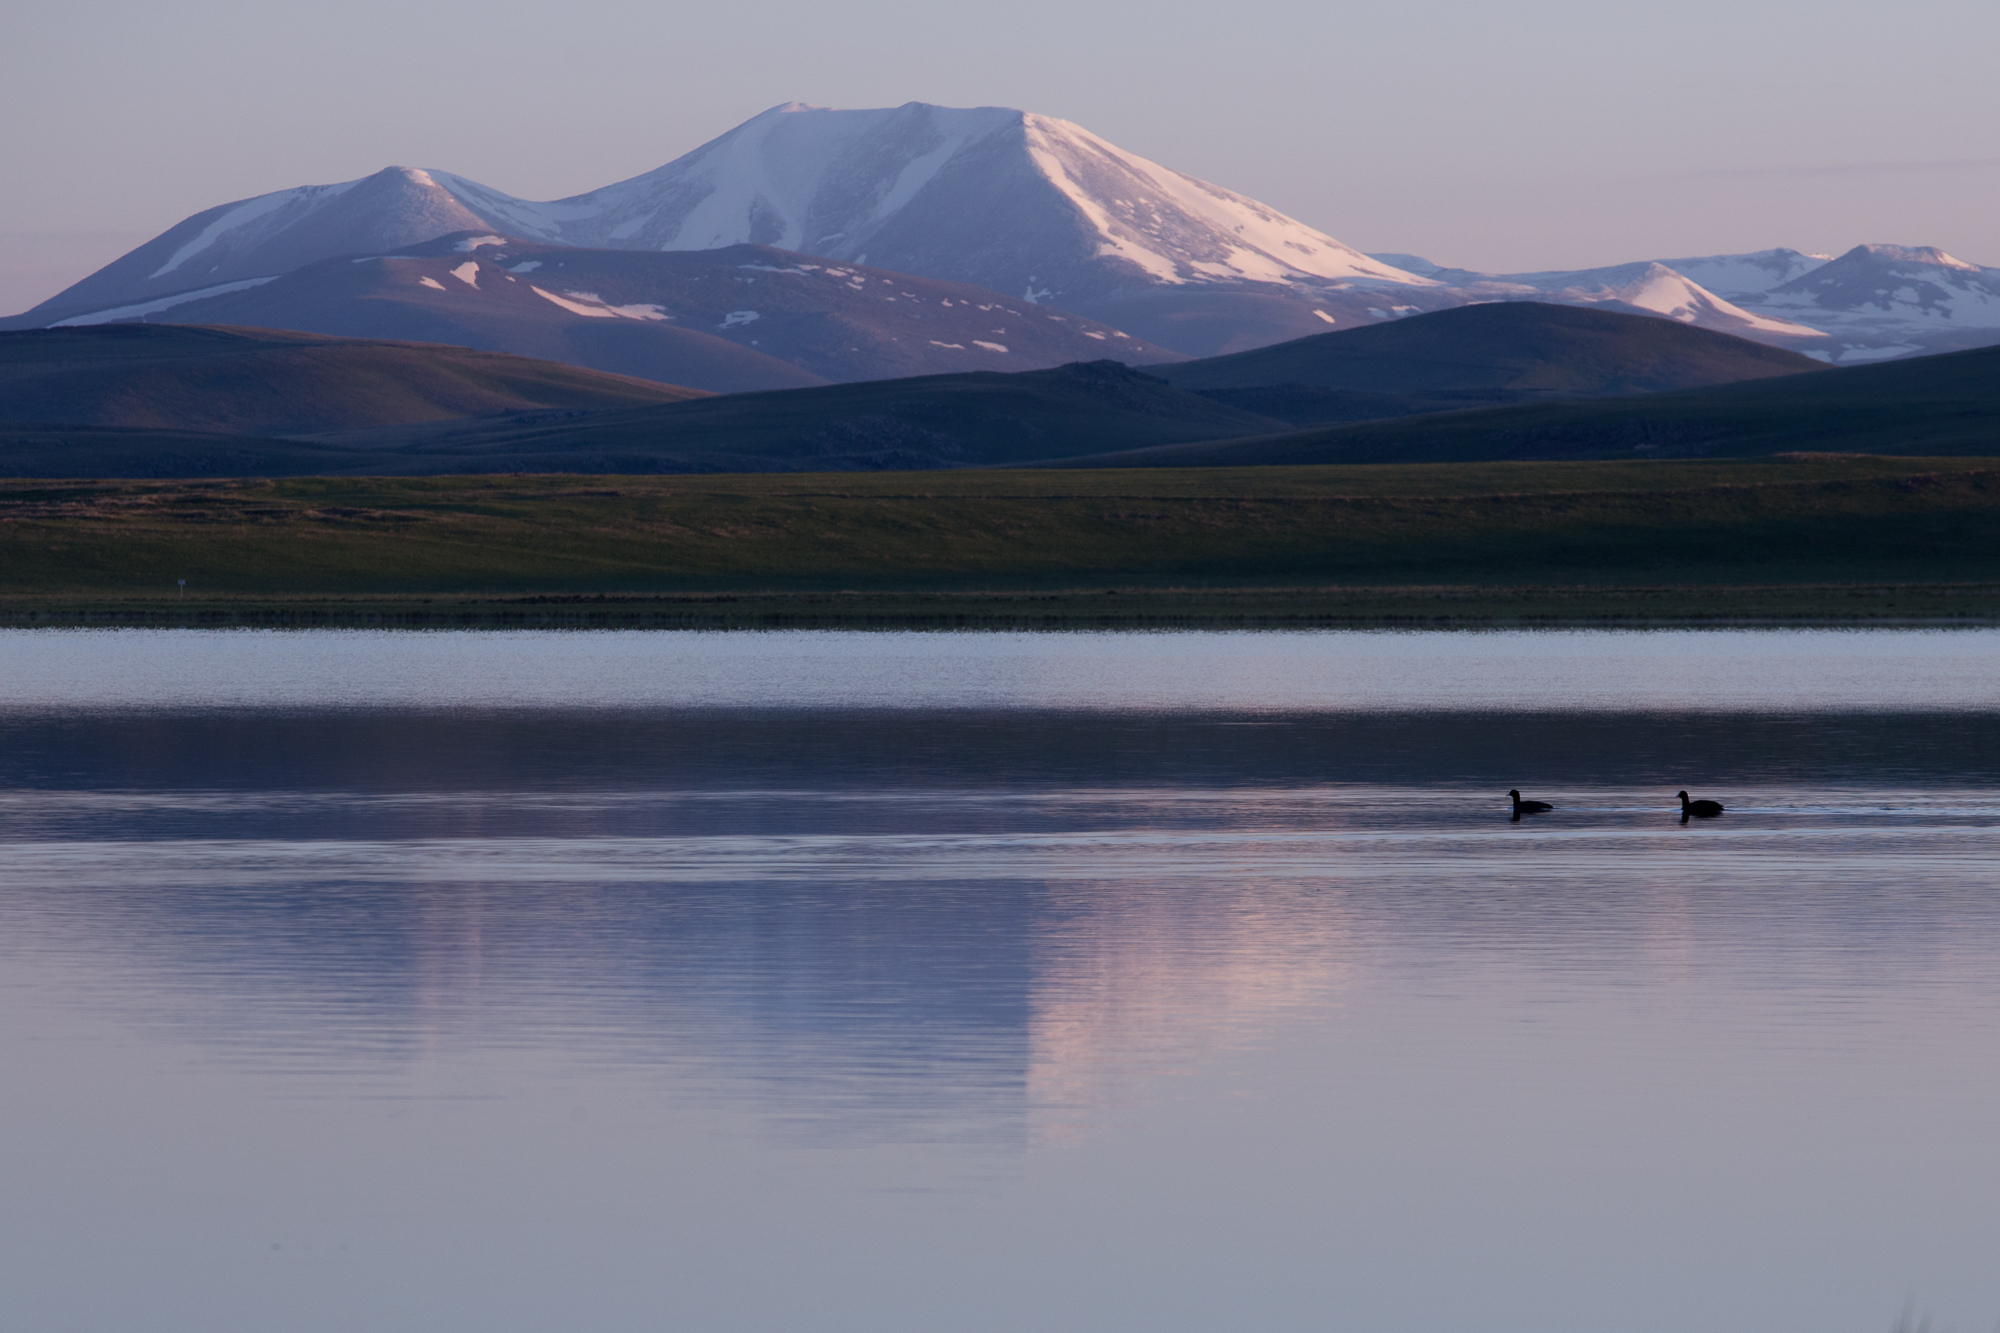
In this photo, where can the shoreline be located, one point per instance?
(1879, 605)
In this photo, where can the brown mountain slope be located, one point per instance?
(271, 382)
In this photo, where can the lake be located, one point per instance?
(851, 981)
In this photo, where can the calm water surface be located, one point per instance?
(997, 982)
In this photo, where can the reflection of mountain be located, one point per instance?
(1157, 974)
(883, 1011)
(924, 927)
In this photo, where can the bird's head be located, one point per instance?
(1683, 795)
(1516, 793)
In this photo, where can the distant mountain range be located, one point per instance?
(1871, 303)
(1008, 208)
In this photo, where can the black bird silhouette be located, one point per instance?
(1699, 809)
(1522, 807)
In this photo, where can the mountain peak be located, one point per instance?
(1660, 290)
(1896, 290)
(1024, 204)
(1910, 254)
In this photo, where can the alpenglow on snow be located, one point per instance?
(1028, 208)
(1019, 203)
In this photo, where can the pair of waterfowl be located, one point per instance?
(1689, 809)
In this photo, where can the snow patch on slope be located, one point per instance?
(592, 306)
(241, 215)
(144, 308)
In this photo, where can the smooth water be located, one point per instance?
(937, 982)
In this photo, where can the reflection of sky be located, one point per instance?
(889, 926)
(1799, 671)
(1186, 1017)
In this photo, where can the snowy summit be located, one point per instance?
(1029, 208)
(1019, 203)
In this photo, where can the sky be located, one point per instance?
(1496, 136)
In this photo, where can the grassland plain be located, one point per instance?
(1829, 538)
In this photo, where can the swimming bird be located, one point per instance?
(1699, 809)
(1522, 807)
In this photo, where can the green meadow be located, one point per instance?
(1800, 537)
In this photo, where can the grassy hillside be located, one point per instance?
(1925, 406)
(1609, 530)
(1523, 349)
(271, 382)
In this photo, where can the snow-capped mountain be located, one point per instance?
(269, 235)
(1727, 276)
(1889, 301)
(1647, 287)
(1879, 301)
(1737, 276)
(1005, 199)
(1659, 290)
(1918, 285)
(1027, 205)
(1873, 302)
(1036, 210)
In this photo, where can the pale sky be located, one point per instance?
(1503, 137)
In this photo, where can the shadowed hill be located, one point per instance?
(1926, 406)
(30, 449)
(1104, 414)
(1478, 355)
(936, 421)
(264, 381)
(932, 421)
